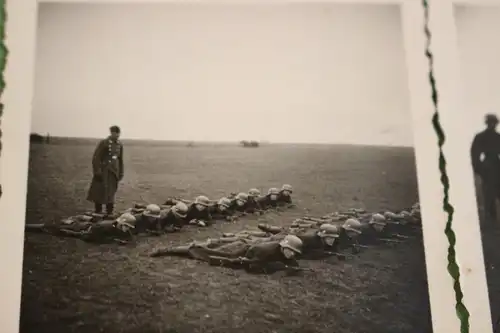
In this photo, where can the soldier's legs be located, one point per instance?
(110, 207)
(489, 198)
(97, 208)
(174, 251)
(232, 250)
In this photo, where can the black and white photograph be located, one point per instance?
(479, 51)
(226, 168)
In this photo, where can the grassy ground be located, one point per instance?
(71, 286)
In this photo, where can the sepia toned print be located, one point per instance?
(220, 168)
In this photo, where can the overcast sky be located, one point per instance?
(322, 73)
(478, 31)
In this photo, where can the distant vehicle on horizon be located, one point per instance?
(249, 144)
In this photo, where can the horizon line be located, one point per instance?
(228, 141)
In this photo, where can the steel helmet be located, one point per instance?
(352, 225)
(273, 190)
(224, 202)
(126, 219)
(378, 219)
(152, 210)
(253, 192)
(180, 209)
(242, 197)
(293, 243)
(390, 216)
(287, 187)
(202, 200)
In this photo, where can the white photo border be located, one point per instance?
(18, 96)
(462, 191)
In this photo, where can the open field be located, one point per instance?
(71, 286)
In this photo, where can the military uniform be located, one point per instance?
(234, 207)
(102, 231)
(313, 238)
(242, 203)
(225, 247)
(265, 202)
(169, 221)
(150, 220)
(218, 214)
(199, 215)
(487, 143)
(285, 195)
(76, 223)
(221, 210)
(108, 170)
(262, 256)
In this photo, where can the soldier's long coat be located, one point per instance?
(487, 143)
(107, 163)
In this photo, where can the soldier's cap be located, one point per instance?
(152, 211)
(491, 119)
(115, 129)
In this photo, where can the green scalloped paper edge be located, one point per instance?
(453, 268)
(3, 62)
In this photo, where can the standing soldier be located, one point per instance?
(107, 166)
(487, 143)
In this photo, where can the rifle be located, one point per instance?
(224, 261)
(314, 219)
(245, 263)
(397, 241)
(341, 256)
(298, 269)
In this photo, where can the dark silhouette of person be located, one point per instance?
(107, 165)
(485, 156)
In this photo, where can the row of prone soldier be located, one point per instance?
(171, 216)
(274, 247)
